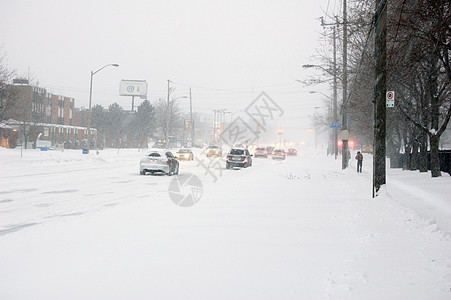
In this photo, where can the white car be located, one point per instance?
(159, 161)
(278, 154)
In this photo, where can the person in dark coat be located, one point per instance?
(359, 158)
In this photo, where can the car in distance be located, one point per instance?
(184, 154)
(213, 150)
(261, 152)
(270, 149)
(292, 152)
(238, 157)
(278, 154)
(159, 161)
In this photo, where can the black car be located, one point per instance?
(238, 157)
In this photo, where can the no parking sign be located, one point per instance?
(390, 99)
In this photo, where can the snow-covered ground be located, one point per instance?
(76, 226)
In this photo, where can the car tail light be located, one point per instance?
(245, 160)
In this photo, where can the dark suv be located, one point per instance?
(238, 157)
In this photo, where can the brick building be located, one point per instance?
(37, 114)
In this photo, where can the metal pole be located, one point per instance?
(166, 138)
(335, 114)
(90, 101)
(89, 114)
(344, 154)
(191, 116)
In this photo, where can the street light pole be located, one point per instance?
(166, 138)
(90, 101)
(335, 113)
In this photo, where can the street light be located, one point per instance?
(90, 98)
(309, 66)
(335, 113)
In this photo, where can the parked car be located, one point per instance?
(292, 152)
(238, 157)
(213, 150)
(261, 152)
(159, 161)
(278, 154)
(184, 154)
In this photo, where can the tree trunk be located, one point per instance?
(393, 153)
(407, 157)
(414, 156)
(423, 153)
(435, 161)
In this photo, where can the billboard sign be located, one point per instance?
(133, 88)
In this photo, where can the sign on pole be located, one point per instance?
(133, 88)
(390, 99)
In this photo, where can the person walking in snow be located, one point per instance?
(359, 158)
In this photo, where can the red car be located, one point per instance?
(292, 152)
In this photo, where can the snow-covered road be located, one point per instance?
(90, 227)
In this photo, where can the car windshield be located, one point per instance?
(184, 151)
(237, 151)
(214, 147)
(260, 149)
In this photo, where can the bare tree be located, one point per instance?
(6, 75)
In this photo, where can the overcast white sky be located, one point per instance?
(228, 51)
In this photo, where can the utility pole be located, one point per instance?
(191, 116)
(379, 172)
(166, 138)
(335, 114)
(334, 73)
(344, 131)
